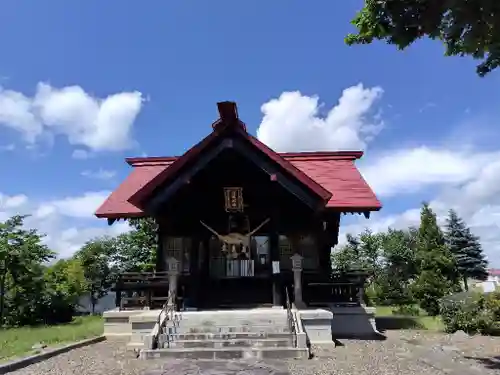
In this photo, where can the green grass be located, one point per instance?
(16, 342)
(386, 316)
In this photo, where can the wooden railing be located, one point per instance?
(341, 289)
(141, 289)
(167, 323)
(332, 293)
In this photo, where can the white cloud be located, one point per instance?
(100, 174)
(466, 182)
(8, 147)
(67, 222)
(80, 154)
(293, 122)
(82, 207)
(409, 170)
(14, 201)
(456, 176)
(101, 124)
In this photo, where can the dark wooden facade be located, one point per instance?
(294, 227)
(188, 200)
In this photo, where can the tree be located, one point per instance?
(437, 274)
(359, 253)
(136, 250)
(21, 254)
(94, 257)
(466, 249)
(64, 285)
(466, 28)
(394, 282)
(347, 257)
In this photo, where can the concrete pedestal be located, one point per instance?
(317, 324)
(354, 322)
(117, 323)
(322, 326)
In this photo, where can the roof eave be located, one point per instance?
(119, 215)
(133, 161)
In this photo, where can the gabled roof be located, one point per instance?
(228, 120)
(331, 176)
(335, 171)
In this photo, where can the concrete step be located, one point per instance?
(238, 343)
(264, 318)
(138, 337)
(227, 336)
(228, 329)
(261, 322)
(213, 317)
(225, 353)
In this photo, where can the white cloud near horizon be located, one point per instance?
(67, 222)
(458, 176)
(100, 124)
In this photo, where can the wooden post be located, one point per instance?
(160, 263)
(194, 273)
(276, 276)
(297, 280)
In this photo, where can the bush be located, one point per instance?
(493, 304)
(471, 312)
(370, 295)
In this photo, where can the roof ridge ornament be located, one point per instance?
(228, 116)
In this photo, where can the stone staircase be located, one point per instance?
(231, 334)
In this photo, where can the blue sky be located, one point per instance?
(88, 83)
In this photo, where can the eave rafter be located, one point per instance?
(366, 214)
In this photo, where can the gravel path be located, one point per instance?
(403, 353)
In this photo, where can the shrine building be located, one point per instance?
(240, 225)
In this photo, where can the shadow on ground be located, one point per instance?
(388, 323)
(492, 363)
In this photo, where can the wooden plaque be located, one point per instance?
(233, 199)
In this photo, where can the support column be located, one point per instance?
(297, 280)
(173, 275)
(275, 271)
(194, 274)
(160, 262)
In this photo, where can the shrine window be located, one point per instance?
(304, 245)
(179, 248)
(309, 250)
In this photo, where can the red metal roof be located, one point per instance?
(193, 152)
(334, 171)
(117, 204)
(331, 176)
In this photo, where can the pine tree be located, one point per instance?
(437, 274)
(474, 263)
(466, 249)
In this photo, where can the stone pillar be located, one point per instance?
(173, 275)
(297, 280)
